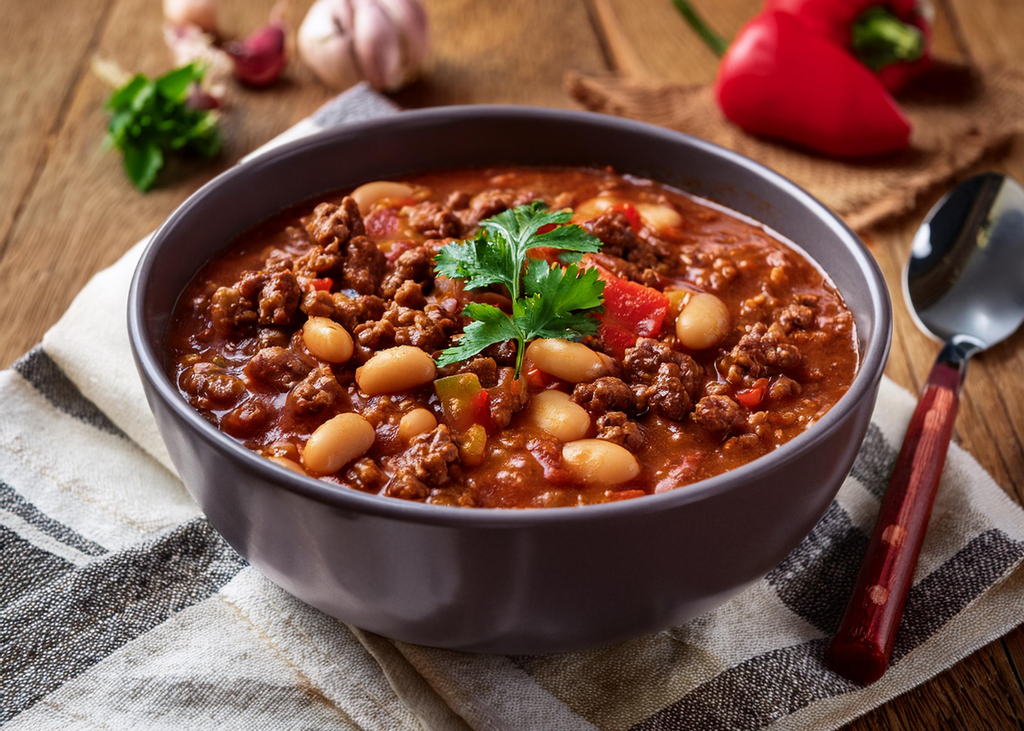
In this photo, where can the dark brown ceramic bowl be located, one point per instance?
(510, 581)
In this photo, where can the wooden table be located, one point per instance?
(67, 210)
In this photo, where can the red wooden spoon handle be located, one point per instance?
(861, 648)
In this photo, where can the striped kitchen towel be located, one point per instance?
(121, 608)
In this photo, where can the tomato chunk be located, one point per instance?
(323, 284)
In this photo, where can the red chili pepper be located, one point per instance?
(892, 38)
(323, 284)
(818, 73)
(753, 396)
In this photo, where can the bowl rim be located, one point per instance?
(864, 383)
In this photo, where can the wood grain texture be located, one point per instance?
(66, 209)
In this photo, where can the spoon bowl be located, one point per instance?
(964, 281)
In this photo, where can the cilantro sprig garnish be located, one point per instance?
(152, 117)
(548, 301)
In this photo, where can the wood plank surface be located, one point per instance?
(67, 210)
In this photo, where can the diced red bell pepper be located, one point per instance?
(323, 284)
(615, 337)
(463, 401)
(629, 307)
(753, 396)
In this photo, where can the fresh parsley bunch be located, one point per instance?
(152, 117)
(548, 301)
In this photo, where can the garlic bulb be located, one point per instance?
(201, 13)
(381, 41)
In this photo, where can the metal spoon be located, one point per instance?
(964, 284)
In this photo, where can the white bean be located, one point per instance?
(572, 362)
(367, 195)
(599, 462)
(415, 422)
(337, 442)
(395, 369)
(659, 215)
(288, 464)
(594, 207)
(557, 414)
(703, 322)
(327, 340)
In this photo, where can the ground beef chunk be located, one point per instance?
(645, 250)
(761, 352)
(428, 329)
(671, 393)
(719, 414)
(210, 386)
(486, 369)
(666, 380)
(492, 202)
(350, 312)
(332, 225)
(504, 354)
(279, 367)
(458, 200)
(230, 311)
(246, 419)
(268, 336)
(365, 475)
(628, 270)
(507, 397)
(615, 232)
(427, 463)
(605, 394)
(317, 303)
(410, 294)
(278, 298)
(415, 264)
(795, 317)
(364, 265)
(616, 427)
(784, 387)
(318, 261)
(314, 393)
(434, 220)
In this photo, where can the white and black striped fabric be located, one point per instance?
(121, 608)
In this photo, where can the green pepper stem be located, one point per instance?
(880, 39)
(714, 41)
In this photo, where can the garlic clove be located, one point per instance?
(410, 16)
(378, 44)
(200, 13)
(261, 57)
(326, 44)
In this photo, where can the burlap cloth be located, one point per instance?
(959, 115)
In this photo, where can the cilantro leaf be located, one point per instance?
(477, 261)
(560, 302)
(490, 325)
(548, 301)
(151, 117)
